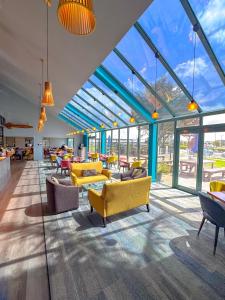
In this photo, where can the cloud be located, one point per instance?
(212, 18)
(185, 69)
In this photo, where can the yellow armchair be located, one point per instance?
(137, 164)
(217, 186)
(133, 193)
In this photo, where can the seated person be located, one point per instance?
(133, 173)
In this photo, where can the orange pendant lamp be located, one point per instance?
(43, 114)
(76, 16)
(115, 123)
(132, 119)
(48, 99)
(155, 114)
(192, 105)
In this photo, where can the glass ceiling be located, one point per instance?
(131, 66)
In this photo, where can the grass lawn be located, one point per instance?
(218, 163)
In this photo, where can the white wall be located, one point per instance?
(15, 109)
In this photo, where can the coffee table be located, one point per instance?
(95, 186)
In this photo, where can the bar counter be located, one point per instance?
(5, 171)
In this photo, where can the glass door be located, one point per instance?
(187, 160)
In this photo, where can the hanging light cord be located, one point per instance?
(42, 74)
(193, 77)
(47, 41)
(156, 76)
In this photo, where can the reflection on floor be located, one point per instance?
(139, 255)
(22, 260)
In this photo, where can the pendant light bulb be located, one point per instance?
(132, 119)
(155, 115)
(192, 106)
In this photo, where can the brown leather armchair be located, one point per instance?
(62, 196)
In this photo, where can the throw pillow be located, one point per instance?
(136, 172)
(86, 173)
(55, 180)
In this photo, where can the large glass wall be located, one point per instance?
(98, 142)
(115, 142)
(165, 153)
(91, 143)
(133, 144)
(123, 143)
(144, 136)
(108, 141)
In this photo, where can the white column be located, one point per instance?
(38, 146)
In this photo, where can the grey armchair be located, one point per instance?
(130, 174)
(62, 196)
(214, 212)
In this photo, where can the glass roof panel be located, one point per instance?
(173, 35)
(211, 15)
(111, 107)
(103, 98)
(89, 111)
(76, 118)
(116, 98)
(142, 58)
(122, 73)
(93, 102)
(70, 117)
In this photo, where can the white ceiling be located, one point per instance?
(72, 59)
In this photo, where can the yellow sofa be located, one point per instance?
(217, 186)
(78, 179)
(120, 196)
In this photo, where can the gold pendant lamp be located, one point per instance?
(48, 99)
(155, 114)
(77, 16)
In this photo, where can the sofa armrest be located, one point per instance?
(96, 201)
(107, 173)
(143, 174)
(65, 182)
(73, 177)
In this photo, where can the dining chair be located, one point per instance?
(214, 212)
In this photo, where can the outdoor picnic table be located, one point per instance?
(190, 166)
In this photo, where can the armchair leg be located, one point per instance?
(104, 222)
(148, 208)
(216, 239)
(202, 223)
(91, 209)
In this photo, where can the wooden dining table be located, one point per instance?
(218, 196)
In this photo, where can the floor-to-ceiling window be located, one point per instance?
(133, 143)
(98, 142)
(92, 143)
(123, 143)
(115, 142)
(70, 143)
(108, 141)
(165, 152)
(144, 136)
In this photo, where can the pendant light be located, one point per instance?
(43, 115)
(132, 118)
(102, 126)
(192, 105)
(93, 128)
(115, 123)
(76, 16)
(155, 114)
(47, 99)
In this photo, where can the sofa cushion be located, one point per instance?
(77, 168)
(55, 180)
(91, 172)
(91, 179)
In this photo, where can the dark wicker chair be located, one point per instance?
(129, 175)
(214, 212)
(62, 196)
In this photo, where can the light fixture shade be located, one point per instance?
(48, 99)
(43, 114)
(132, 119)
(155, 115)
(102, 126)
(76, 16)
(40, 125)
(93, 128)
(192, 105)
(115, 124)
